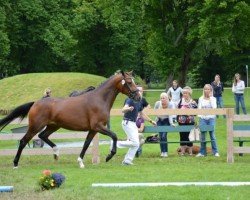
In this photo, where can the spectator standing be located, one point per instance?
(218, 89)
(186, 103)
(207, 101)
(164, 103)
(174, 93)
(238, 90)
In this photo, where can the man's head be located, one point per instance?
(175, 83)
(217, 78)
(140, 89)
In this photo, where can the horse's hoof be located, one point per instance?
(56, 152)
(112, 153)
(109, 157)
(80, 161)
(82, 166)
(15, 167)
(56, 157)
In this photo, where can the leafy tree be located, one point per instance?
(184, 33)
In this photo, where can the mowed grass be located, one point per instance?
(24, 88)
(150, 167)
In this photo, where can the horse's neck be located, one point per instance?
(108, 93)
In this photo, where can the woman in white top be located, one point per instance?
(207, 101)
(174, 93)
(238, 90)
(163, 121)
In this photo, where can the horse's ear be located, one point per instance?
(118, 72)
(130, 73)
(122, 72)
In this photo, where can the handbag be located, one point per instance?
(194, 134)
(152, 139)
(185, 119)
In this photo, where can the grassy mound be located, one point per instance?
(24, 88)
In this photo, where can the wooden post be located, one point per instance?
(230, 156)
(95, 150)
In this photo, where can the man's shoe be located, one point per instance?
(127, 163)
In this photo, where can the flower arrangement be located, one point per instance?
(50, 180)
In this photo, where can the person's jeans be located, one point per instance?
(163, 135)
(220, 104)
(239, 99)
(210, 121)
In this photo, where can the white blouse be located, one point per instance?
(175, 94)
(206, 104)
(239, 87)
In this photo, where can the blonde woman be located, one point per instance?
(164, 120)
(186, 103)
(207, 101)
(238, 90)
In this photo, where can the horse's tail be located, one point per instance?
(20, 111)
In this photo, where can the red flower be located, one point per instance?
(46, 172)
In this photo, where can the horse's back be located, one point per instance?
(70, 113)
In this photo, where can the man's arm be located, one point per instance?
(147, 118)
(127, 108)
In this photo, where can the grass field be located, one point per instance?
(150, 167)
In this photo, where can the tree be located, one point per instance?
(184, 33)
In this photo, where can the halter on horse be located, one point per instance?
(88, 112)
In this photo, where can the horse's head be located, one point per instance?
(128, 87)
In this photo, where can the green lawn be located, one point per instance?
(148, 168)
(24, 88)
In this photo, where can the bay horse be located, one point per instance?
(87, 112)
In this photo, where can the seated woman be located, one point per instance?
(140, 125)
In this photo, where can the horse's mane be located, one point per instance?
(117, 72)
(78, 93)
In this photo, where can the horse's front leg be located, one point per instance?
(89, 138)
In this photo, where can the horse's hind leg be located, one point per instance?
(111, 134)
(89, 138)
(44, 135)
(23, 142)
